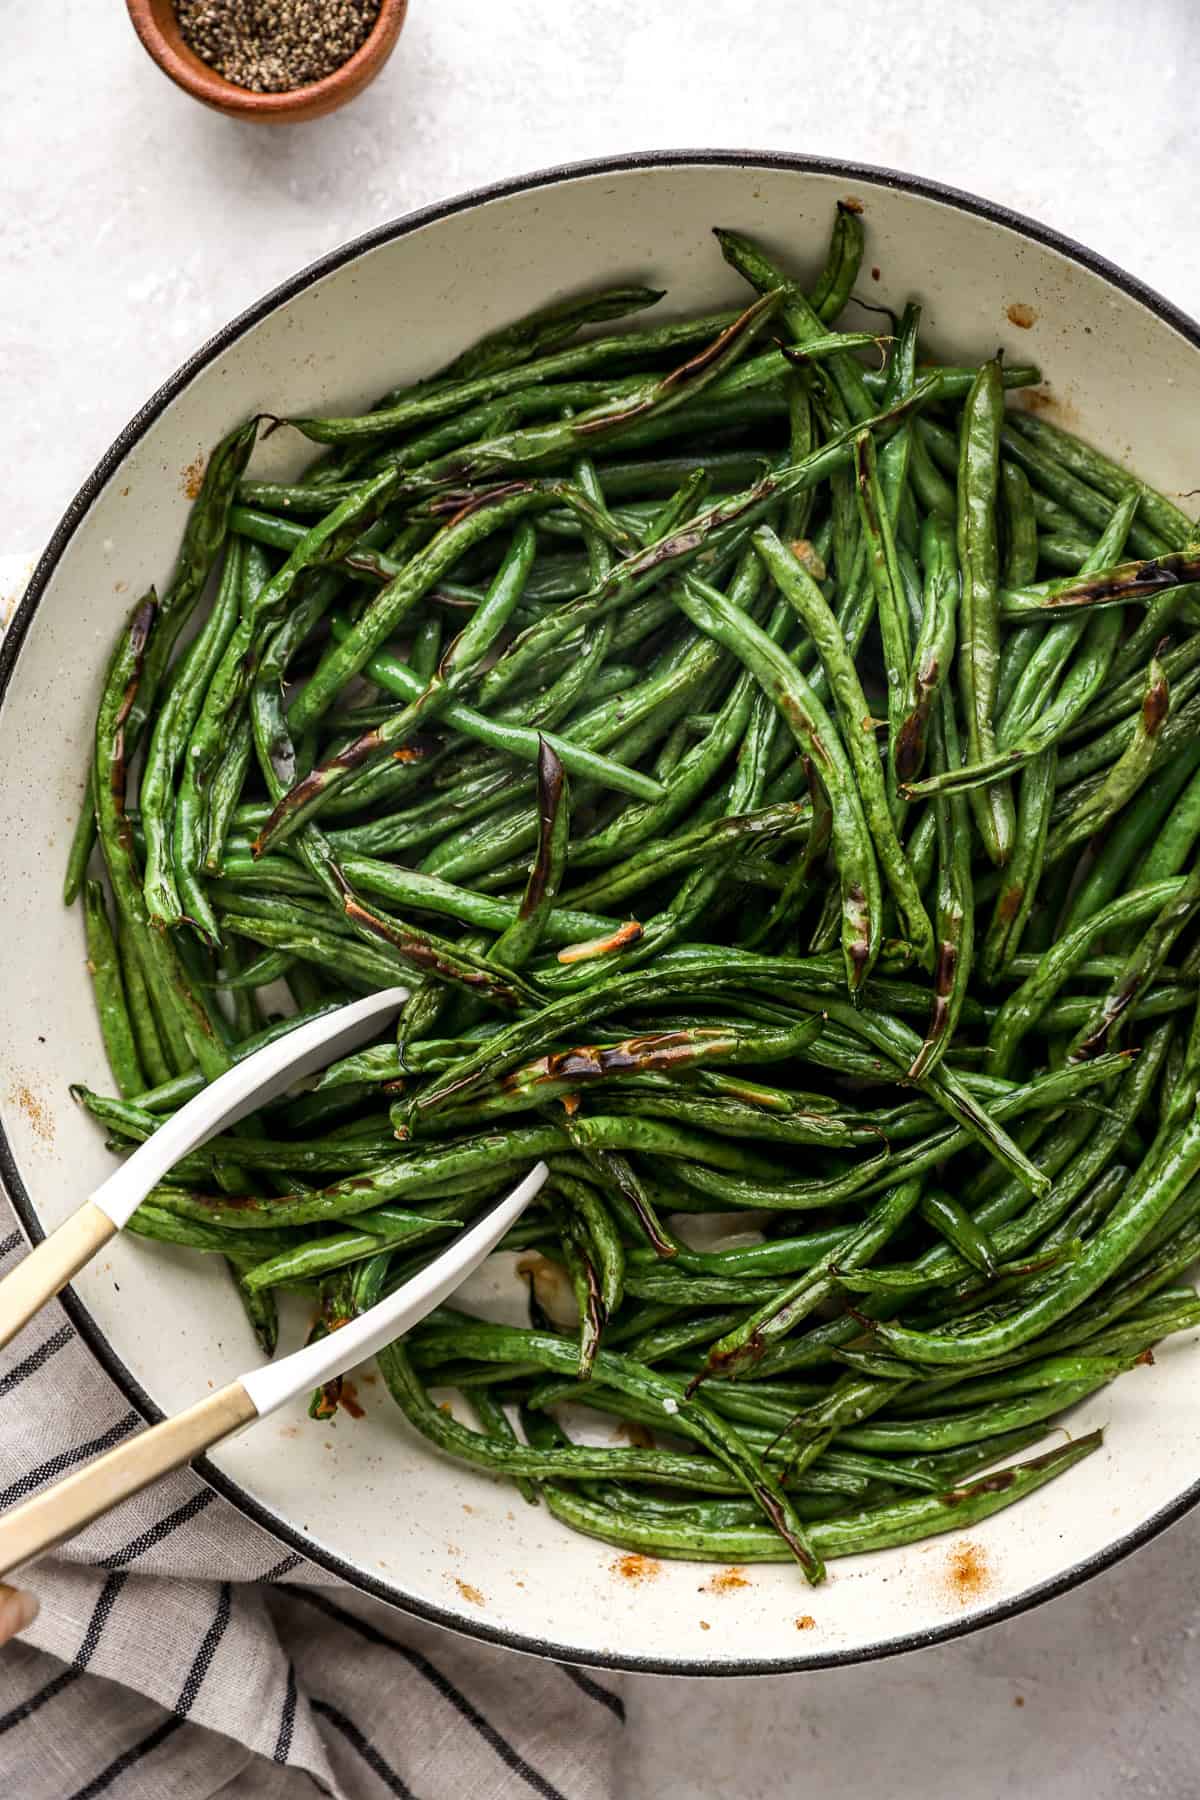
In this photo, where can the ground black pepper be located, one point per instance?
(273, 46)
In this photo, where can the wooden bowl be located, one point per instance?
(156, 25)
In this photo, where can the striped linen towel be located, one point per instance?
(179, 1653)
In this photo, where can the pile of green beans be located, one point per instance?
(777, 780)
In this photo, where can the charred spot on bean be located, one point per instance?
(1155, 707)
(909, 754)
(620, 939)
(1008, 905)
(777, 1514)
(997, 1483)
(465, 506)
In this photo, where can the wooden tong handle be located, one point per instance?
(60, 1511)
(48, 1268)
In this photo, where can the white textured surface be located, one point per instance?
(135, 223)
(1092, 1697)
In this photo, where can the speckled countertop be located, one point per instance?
(134, 223)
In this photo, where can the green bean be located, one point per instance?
(304, 799)
(407, 949)
(896, 458)
(585, 359)
(691, 1418)
(1152, 822)
(340, 1249)
(972, 1241)
(189, 1026)
(324, 543)
(1040, 1093)
(935, 1433)
(789, 1306)
(651, 1053)
(542, 329)
(896, 1522)
(836, 280)
(1126, 776)
(160, 1223)
(702, 761)
(187, 850)
(178, 1089)
(224, 786)
(934, 493)
(147, 1037)
(817, 737)
(978, 477)
(1027, 722)
(203, 538)
(417, 1172)
(604, 1238)
(1176, 813)
(1160, 515)
(659, 1467)
(891, 607)
(1020, 563)
(1147, 1199)
(934, 649)
(799, 588)
(1019, 881)
(313, 1157)
(1100, 1032)
(656, 396)
(357, 965)
(729, 1117)
(666, 856)
(1122, 694)
(104, 967)
(517, 944)
(801, 316)
(1021, 1010)
(1052, 475)
(1118, 586)
(705, 542)
(361, 643)
(172, 729)
(955, 905)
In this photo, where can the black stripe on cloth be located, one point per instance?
(9, 1243)
(35, 1360)
(67, 1459)
(154, 1534)
(278, 1570)
(67, 1677)
(446, 1688)
(104, 1605)
(104, 1780)
(595, 1690)
(206, 1652)
(283, 1743)
(368, 1752)
(64, 1679)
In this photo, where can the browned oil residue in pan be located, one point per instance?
(191, 478)
(635, 1567)
(34, 1110)
(726, 1581)
(968, 1573)
(350, 1400)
